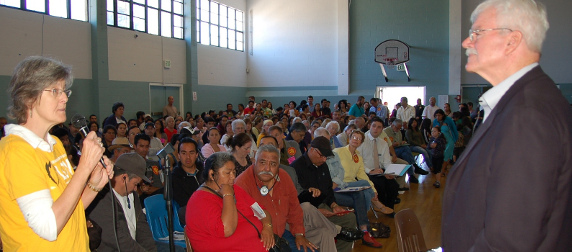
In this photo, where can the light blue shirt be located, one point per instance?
(380, 111)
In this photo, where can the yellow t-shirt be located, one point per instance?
(24, 170)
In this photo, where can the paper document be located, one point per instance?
(352, 189)
(396, 169)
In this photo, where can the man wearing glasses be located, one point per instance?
(314, 177)
(498, 197)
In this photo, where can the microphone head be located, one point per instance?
(79, 121)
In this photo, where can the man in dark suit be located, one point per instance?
(127, 223)
(511, 189)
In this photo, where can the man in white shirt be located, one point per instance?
(429, 111)
(375, 154)
(406, 111)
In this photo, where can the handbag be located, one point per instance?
(378, 229)
(280, 244)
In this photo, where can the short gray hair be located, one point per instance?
(333, 124)
(321, 131)
(237, 121)
(183, 124)
(396, 122)
(30, 78)
(527, 16)
(267, 148)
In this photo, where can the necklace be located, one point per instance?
(264, 190)
(356, 158)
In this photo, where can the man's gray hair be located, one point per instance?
(396, 122)
(267, 148)
(526, 16)
(236, 122)
(321, 131)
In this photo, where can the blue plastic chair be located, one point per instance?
(156, 208)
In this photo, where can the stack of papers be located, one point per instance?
(352, 189)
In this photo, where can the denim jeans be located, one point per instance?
(360, 201)
(423, 152)
(404, 153)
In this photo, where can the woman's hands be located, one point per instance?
(91, 153)
(101, 175)
(226, 189)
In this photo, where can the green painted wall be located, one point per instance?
(423, 25)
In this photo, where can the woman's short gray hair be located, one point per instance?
(526, 16)
(30, 78)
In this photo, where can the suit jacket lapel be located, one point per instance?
(517, 86)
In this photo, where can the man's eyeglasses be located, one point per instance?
(319, 153)
(474, 33)
(56, 92)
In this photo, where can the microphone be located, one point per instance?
(79, 122)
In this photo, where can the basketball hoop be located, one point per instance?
(392, 52)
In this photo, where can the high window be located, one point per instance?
(158, 17)
(76, 9)
(220, 25)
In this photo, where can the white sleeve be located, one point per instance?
(37, 210)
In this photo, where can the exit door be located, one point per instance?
(158, 95)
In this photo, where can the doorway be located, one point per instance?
(392, 95)
(158, 94)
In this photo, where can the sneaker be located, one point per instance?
(370, 241)
(419, 170)
(437, 184)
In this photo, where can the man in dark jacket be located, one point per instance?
(131, 227)
(511, 189)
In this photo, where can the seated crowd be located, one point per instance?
(254, 176)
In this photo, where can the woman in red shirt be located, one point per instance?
(221, 216)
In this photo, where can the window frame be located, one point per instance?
(68, 3)
(177, 32)
(204, 23)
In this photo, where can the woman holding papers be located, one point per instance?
(352, 162)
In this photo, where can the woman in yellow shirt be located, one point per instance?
(352, 162)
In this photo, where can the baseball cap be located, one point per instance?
(132, 163)
(323, 145)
